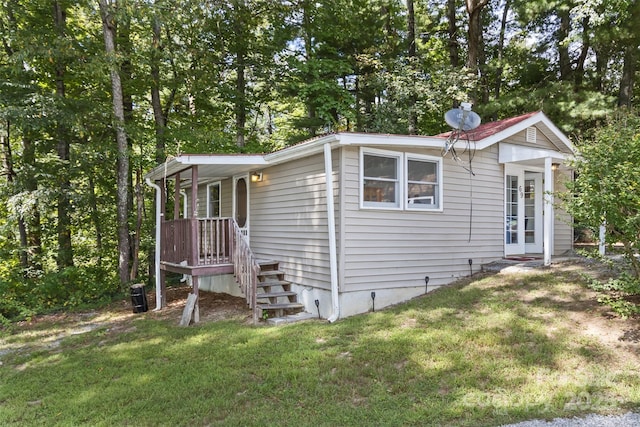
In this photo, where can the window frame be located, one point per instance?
(209, 186)
(402, 163)
(439, 186)
(398, 204)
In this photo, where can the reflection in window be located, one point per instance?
(213, 200)
(380, 180)
(422, 184)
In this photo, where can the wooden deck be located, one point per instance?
(207, 246)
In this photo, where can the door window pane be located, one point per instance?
(511, 234)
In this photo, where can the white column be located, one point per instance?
(603, 232)
(548, 211)
(331, 223)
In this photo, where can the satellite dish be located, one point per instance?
(462, 118)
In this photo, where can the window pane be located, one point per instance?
(214, 201)
(379, 191)
(381, 180)
(380, 167)
(422, 184)
(422, 171)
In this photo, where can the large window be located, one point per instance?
(213, 200)
(398, 180)
(381, 174)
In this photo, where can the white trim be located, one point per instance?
(234, 202)
(331, 225)
(519, 247)
(209, 185)
(519, 127)
(398, 204)
(548, 211)
(158, 246)
(510, 153)
(537, 245)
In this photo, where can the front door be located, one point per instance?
(533, 212)
(241, 203)
(523, 211)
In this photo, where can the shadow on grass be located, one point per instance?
(470, 354)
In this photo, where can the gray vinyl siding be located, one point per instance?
(288, 221)
(226, 207)
(541, 140)
(563, 223)
(398, 248)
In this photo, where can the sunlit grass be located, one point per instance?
(488, 351)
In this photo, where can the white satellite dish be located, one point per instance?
(462, 118)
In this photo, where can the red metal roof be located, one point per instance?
(488, 129)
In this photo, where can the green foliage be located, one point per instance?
(620, 306)
(70, 288)
(607, 185)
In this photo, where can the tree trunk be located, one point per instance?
(625, 95)
(33, 225)
(10, 173)
(586, 45)
(454, 53)
(138, 230)
(160, 120)
(121, 138)
(503, 30)
(95, 216)
(474, 9)
(411, 40)
(65, 250)
(564, 60)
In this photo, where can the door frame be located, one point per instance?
(538, 245)
(522, 173)
(234, 203)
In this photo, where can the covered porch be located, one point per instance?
(189, 243)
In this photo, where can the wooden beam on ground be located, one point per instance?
(190, 309)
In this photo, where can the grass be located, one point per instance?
(487, 351)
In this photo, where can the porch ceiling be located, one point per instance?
(210, 167)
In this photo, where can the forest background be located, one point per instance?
(95, 93)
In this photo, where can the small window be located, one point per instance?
(381, 174)
(423, 183)
(213, 200)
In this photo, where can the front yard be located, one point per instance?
(489, 350)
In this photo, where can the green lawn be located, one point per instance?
(487, 351)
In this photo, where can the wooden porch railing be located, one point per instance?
(218, 241)
(246, 269)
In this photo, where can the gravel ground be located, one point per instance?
(630, 419)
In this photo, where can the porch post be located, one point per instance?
(548, 211)
(193, 215)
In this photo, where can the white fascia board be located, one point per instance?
(222, 159)
(303, 149)
(509, 153)
(557, 133)
(539, 117)
(506, 133)
(390, 140)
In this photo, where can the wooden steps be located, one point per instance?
(275, 297)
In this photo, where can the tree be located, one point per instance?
(108, 25)
(607, 185)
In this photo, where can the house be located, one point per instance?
(345, 222)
